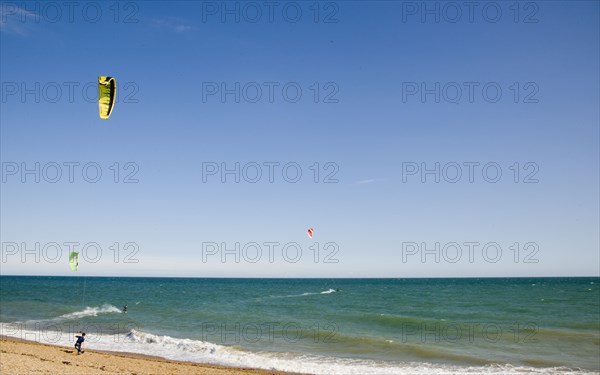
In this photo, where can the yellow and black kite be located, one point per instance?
(107, 91)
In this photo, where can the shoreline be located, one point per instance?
(21, 356)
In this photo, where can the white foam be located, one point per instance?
(205, 352)
(329, 291)
(91, 311)
(88, 311)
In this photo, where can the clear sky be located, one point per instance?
(388, 89)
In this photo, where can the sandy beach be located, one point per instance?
(26, 357)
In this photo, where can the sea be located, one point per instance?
(321, 326)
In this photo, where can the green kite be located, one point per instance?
(74, 261)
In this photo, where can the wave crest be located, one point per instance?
(187, 345)
(91, 311)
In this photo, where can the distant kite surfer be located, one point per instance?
(125, 309)
(79, 342)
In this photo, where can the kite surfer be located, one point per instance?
(125, 309)
(79, 342)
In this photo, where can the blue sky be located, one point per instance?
(544, 57)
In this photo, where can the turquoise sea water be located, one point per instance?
(324, 326)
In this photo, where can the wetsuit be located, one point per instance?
(80, 340)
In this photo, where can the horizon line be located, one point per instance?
(312, 278)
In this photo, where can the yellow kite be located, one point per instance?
(107, 91)
(74, 260)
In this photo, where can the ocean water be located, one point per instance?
(321, 326)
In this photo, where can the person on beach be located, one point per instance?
(79, 342)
